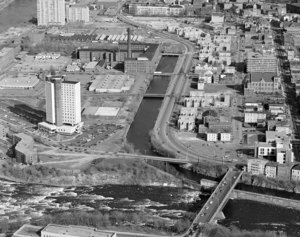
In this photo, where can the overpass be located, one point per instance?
(171, 54)
(219, 198)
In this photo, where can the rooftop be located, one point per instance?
(19, 82)
(78, 231)
(28, 230)
(296, 167)
(266, 76)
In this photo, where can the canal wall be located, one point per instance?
(279, 201)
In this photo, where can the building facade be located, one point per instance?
(256, 166)
(63, 102)
(3, 131)
(51, 12)
(24, 149)
(295, 174)
(77, 12)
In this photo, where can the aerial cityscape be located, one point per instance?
(148, 118)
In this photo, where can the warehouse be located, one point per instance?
(111, 83)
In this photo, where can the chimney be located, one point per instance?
(129, 43)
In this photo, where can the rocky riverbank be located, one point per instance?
(101, 172)
(264, 182)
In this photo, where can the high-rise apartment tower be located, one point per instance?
(51, 12)
(63, 101)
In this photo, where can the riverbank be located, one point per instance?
(99, 172)
(276, 184)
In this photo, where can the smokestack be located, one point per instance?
(129, 43)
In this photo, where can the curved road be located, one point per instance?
(161, 131)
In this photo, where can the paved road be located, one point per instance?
(218, 198)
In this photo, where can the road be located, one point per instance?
(219, 197)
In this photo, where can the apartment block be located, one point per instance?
(77, 12)
(51, 12)
(257, 62)
(63, 105)
(23, 148)
(256, 166)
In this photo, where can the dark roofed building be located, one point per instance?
(262, 82)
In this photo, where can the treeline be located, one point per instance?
(134, 171)
(220, 231)
(32, 173)
(137, 221)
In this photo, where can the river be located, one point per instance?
(24, 202)
(19, 201)
(18, 13)
(243, 214)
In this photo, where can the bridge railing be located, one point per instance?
(227, 196)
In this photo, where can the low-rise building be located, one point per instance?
(271, 170)
(211, 136)
(225, 136)
(209, 97)
(254, 117)
(259, 82)
(277, 145)
(24, 149)
(111, 83)
(283, 172)
(256, 166)
(295, 174)
(53, 230)
(187, 118)
(3, 131)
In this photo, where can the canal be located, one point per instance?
(144, 121)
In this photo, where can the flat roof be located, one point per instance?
(28, 230)
(80, 231)
(19, 82)
(112, 82)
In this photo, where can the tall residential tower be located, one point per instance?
(63, 102)
(51, 12)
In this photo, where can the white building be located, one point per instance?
(63, 104)
(51, 12)
(254, 117)
(71, 102)
(212, 136)
(225, 136)
(271, 170)
(256, 166)
(77, 12)
(295, 176)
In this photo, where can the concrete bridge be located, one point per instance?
(171, 54)
(160, 96)
(219, 198)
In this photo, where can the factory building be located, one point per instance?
(143, 58)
